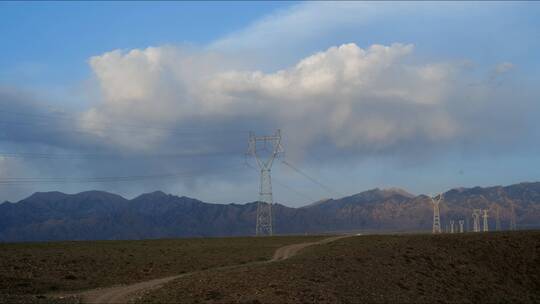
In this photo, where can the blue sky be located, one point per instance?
(450, 101)
(57, 38)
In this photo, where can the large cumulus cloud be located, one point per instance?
(372, 99)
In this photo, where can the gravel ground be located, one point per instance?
(453, 268)
(28, 271)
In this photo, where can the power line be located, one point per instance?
(131, 126)
(56, 180)
(188, 136)
(278, 182)
(328, 189)
(191, 140)
(102, 128)
(108, 155)
(298, 193)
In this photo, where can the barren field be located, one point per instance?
(458, 268)
(30, 270)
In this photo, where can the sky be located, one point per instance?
(133, 97)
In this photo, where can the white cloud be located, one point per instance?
(338, 102)
(503, 67)
(128, 76)
(355, 98)
(296, 25)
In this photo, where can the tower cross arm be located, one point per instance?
(436, 201)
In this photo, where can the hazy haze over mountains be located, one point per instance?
(94, 215)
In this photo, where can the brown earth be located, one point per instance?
(29, 271)
(450, 268)
(122, 294)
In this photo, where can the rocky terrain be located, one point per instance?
(33, 272)
(497, 267)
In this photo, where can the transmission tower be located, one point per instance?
(436, 214)
(265, 149)
(485, 217)
(498, 218)
(476, 219)
(512, 210)
(452, 226)
(512, 217)
(461, 222)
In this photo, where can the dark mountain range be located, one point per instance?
(100, 215)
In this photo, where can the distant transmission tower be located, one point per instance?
(512, 210)
(512, 217)
(265, 149)
(476, 220)
(485, 217)
(436, 214)
(461, 222)
(498, 218)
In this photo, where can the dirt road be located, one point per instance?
(288, 251)
(122, 294)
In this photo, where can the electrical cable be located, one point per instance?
(56, 180)
(328, 189)
(277, 182)
(132, 126)
(108, 155)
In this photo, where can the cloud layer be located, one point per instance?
(362, 100)
(408, 95)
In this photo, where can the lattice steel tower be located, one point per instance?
(512, 210)
(265, 149)
(513, 225)
(498, 218)
(485, 217)
(476, 218)
(436, 214)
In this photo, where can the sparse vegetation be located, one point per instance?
(28, 270)
(450, 268)
(464, 268)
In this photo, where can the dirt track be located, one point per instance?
(496, 267)
(288, 251)
(122, 294)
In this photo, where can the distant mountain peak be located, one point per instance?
(93, 193)
(48, 195)
(319, 202)
(378, 193)
(398, 191)
(152, 195)
(157, 193)
(160, 196)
